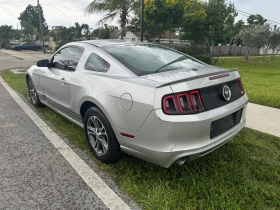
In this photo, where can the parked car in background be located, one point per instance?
(142, 99)
(27, 46)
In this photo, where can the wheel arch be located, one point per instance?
(89, 102)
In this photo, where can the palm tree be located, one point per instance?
(81, 30)
(78, 31)
(121, 8)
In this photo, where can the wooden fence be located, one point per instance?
(233, 51)
(223, 50)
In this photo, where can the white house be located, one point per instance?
(166, 38)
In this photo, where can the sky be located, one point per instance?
(74, 11)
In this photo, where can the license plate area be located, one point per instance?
(224, 124)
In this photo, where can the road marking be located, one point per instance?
(98, 186)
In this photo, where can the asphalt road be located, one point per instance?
(33, 174)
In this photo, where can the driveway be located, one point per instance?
(12, 59)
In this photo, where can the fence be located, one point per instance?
(223, 50)
(233, 51)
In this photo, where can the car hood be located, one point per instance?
(182, 74)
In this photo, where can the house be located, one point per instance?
(166, 38)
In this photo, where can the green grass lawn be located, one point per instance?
(260, 78)
(243, 174)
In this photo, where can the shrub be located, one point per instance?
(199, 52)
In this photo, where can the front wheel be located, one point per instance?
(33, 93)
(101, 137)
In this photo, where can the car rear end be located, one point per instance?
(196, 109)
(191, 118)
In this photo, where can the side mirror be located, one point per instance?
(43, 63)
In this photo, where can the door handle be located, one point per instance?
(63, 81)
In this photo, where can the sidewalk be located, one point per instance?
(264, 119)
(34, 175)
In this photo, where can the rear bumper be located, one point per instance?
(164, 139)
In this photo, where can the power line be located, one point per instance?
(248, 15)
(60, 11)
(5, 1)
(8, 12)
(13, 2)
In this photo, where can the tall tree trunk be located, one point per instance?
(170, 37)
(247, 55)
(123, 23)
(272, 55)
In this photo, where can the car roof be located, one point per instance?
(108, 42)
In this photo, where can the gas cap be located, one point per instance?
(126, 102)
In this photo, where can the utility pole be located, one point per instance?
(142, 20)
(41, 25)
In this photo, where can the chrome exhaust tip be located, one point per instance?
(182, 161)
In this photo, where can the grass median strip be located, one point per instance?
(243, 174)
(260, 78)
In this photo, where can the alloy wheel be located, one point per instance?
(32, 91)
(97, 135)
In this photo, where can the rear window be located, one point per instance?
(149, 59)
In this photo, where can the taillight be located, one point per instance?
(183, 103)
(169, 104)
(240, 86)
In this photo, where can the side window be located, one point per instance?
(67, 58)
(96, 63)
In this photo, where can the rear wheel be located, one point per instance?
(33, 94)
(101, 137)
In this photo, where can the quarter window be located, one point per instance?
(96, 63)
(67, 58)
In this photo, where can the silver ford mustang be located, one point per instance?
(142, 99)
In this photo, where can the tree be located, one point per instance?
(81, 30)
(31, 15)
(17, 34)
(28, 30)
(256, 20)
(114, 8)
(255, 36)
(214, 27)
(219, 21)
(274, 42)
(6, 34)
(62, 35)
(168, 15)
(104, 32)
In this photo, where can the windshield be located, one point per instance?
(149, 59)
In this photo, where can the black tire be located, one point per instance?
(112, 152)
(33, 93)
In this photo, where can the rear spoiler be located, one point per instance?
(196, 77)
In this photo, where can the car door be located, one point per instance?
(55, 83)
(32, 46)
(24, 46)
(27, 46)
